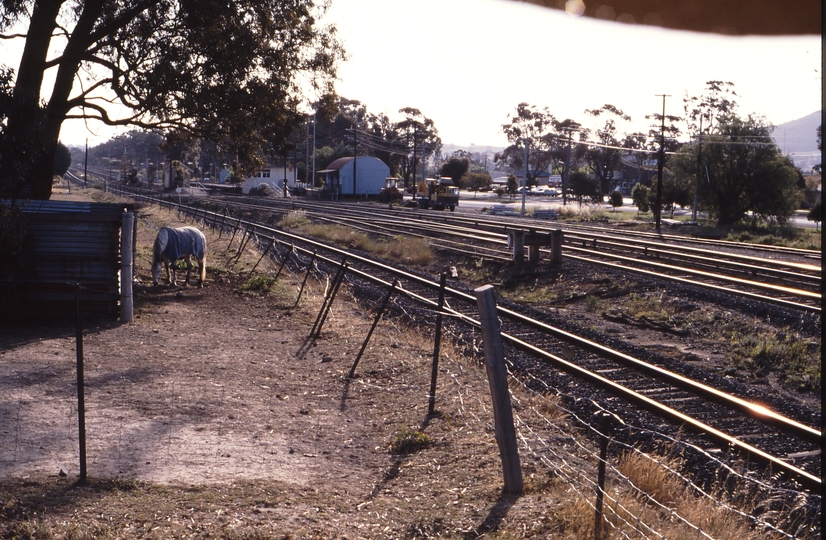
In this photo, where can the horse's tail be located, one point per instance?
(202, 258)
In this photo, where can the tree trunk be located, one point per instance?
(26, 133)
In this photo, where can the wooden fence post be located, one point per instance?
(556, 246)
(498, 381)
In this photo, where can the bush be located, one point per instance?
(640, 196)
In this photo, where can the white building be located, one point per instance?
(370, 174)
(272, 176)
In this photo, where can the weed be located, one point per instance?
(409, 440)
(294, 220)
(593, 303)
(258, 283)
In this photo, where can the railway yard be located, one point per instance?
(698, 349)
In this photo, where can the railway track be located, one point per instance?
(719, 414)
(792, 279)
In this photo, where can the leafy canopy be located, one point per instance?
(231, 72)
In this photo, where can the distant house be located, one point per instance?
(349, 176)
(272, 176)
(632, 172)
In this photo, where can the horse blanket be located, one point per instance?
(181, 242)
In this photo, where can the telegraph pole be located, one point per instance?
(355, 156)
(567, 171)
(659, 200)
(699, 166)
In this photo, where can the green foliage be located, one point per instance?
(409, 440)
(259, 283)
(677, 191)
(455, 168)
(512, 185)
(13, 239)
(229, 72)
(476, 181)
(741, 172)
(583, 186)
(816, 213)
(640, 197)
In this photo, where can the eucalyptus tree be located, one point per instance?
(743, 172)
(536, 133)
(421, 141)
(231, 72)
(605, 157)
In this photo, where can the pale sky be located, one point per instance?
(467, 64)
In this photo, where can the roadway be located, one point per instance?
(476, 201)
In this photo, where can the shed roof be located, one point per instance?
(339, 164)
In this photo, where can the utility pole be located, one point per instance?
(313, 177)
(86, 163)
(567, 171)
(525, 182)
(355, 156)
(661, 162)
(699, 166)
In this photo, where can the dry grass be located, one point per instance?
(451, 488)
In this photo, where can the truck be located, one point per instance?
(440, 193)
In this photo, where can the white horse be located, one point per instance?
(173, 244)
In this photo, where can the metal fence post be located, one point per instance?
(431, 406)
(372, 328)
(304, 281)
(81, 402)
(284, 260)
(328, 300)
(606, 422)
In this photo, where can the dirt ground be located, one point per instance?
(220, 389)
(213, 415)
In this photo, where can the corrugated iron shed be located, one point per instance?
(70, 243)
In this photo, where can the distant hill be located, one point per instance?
(798, 139)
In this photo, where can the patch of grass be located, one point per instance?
(407, 251)
(258, 283)
(775, 235)
(409, 440)
(647, 305)
(294, 220)
(593, 303)
(794, 358)
(531, 294)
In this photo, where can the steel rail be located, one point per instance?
(737, 262)
(708, 275)
(758, 412)
(718, 277)
(747, 263)
(719, 243)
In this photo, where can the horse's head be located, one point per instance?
(157, 255)
(156, 272)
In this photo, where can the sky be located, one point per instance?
(467, 64)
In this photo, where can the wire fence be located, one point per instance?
(196, 425)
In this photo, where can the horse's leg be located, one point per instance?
(171, 275)
(188, 260)
(202, 268)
